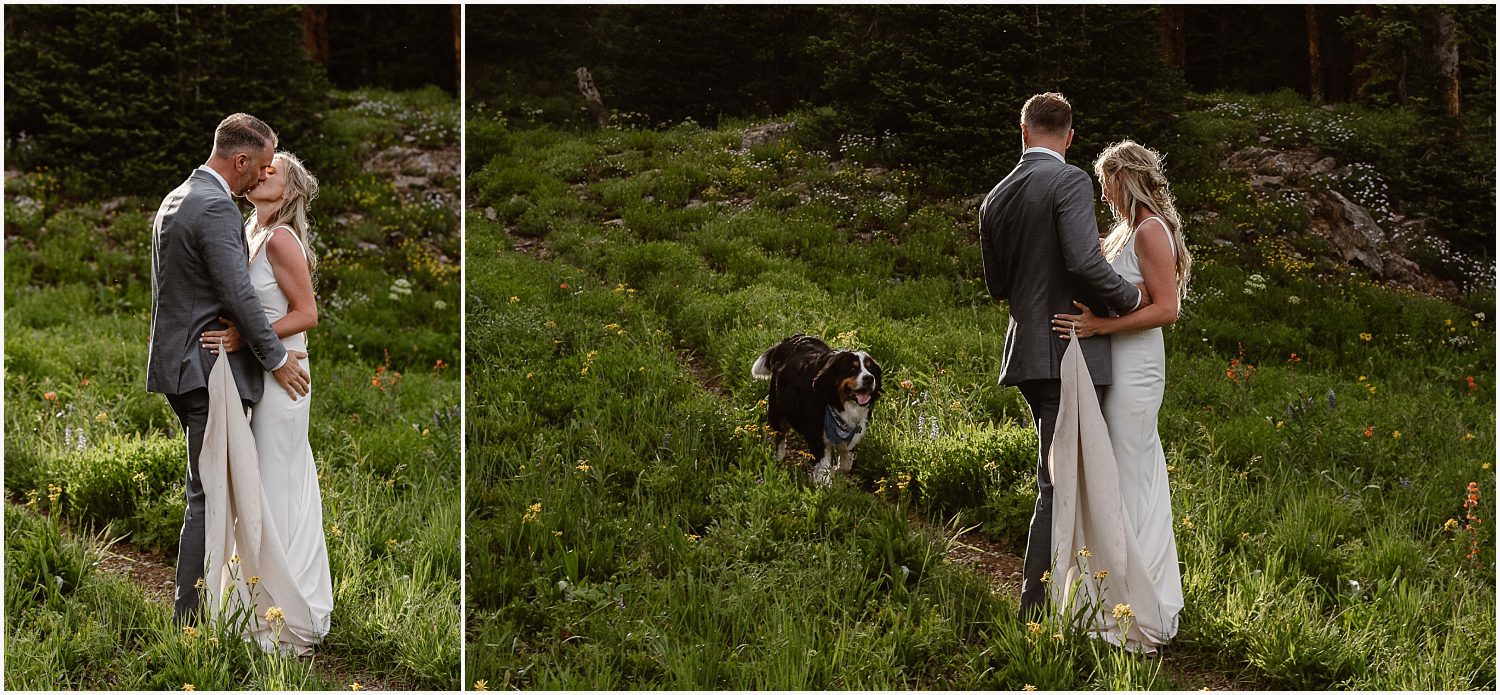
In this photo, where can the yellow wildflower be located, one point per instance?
(254, 580)
(335, 530)
(532, 512)
(481, 684)
(1450, 525)
(188, 686)
(1187, 521)
(274, 615)
(515, 300)
(1034, 628)
(1366, 337)
(356, 686)
(1123, 611)
(583, 466)
(1101, 574)
(189, 630)
(1047, 576)
(235, 560)
(1085, 552)
(1396, 434)
(1028, 686)
(691, 537)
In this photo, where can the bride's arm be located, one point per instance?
(295, 279)
(1154, 250)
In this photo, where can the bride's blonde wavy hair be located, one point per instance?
(301, 189)
(1136, 174)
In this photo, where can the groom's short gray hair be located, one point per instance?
(1048, 113)
(241, 132)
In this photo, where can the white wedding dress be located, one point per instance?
(266, 546)
(1112, 505)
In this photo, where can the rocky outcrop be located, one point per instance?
(1355, 235)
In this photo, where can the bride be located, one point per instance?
(279, 570)
(1145, 245)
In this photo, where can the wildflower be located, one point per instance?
(562, 286)
(1057, 637)
(335, 531)
(557, 534)
(1472, 386)
(1468, 436)
(1396, 434)
(1028, 686)
(1034, 628)
(1187, 521)
(692, 537)
(51, 396)
(1367, 338)
(189, 630)
(235, 560)
(199, 584)
(1244, 536)
(1047, 576)
(1450, 525)
(1123, 611)
(1484, 466)
(139, 477)
(481, 684)
(356, 686)
(1362, 377)
(274, 615)
(903, 480)
(583, 467)
(515, 300)
(1101, 574)
(104, 417)
(390, 543)
(906, 384)
(532, 512)
(1085, 552)
(188, 686)
(1369, 431)
(253, 580)
(611, 326)
(1294, 359)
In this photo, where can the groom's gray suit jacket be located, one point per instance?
(1040, 243)
(199, 272)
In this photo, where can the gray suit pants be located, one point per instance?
(1043, 396)
(192, 412)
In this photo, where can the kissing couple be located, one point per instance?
(252, 554)
(1084, 345)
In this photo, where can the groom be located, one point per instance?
(1040, 244)
(199, 272)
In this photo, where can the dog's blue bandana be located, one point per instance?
(836, 431)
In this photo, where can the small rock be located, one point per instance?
(763, 134)
(490, 214)
(616, 222)
(1264, 139)
(693, 204)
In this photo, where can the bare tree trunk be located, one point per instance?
(591, 93)
(1447, 56)
(458, 46)
(315, 32)
(1173, 40)
(1314, 56)
(1361, 74)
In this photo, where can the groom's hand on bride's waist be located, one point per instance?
(1145, 296)
(292, 377)
(227, 339)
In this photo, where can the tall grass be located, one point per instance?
(629, 528)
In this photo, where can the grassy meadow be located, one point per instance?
(93, 462)
(628, 526)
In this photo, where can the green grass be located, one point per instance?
(92, 457)
(628, 526)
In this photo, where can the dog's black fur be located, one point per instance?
(807, 380)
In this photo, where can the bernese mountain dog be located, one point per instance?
(826, 395)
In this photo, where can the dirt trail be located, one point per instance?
(1184, 667)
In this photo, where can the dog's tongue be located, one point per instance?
(863, 398)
